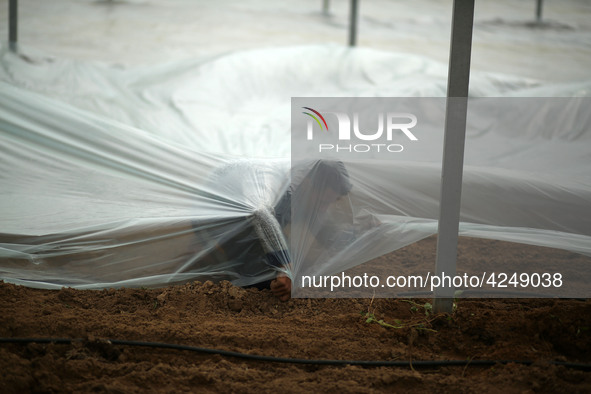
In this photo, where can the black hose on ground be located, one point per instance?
(254, 357)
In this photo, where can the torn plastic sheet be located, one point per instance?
(171, 174)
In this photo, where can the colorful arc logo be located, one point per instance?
(315, 118)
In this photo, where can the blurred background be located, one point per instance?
(508, 37)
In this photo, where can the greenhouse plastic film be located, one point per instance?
(167, 175)
(525, 180)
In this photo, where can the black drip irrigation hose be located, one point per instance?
(226, 353)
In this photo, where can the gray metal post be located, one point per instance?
(12, 24)
(353, 23)
(453, 149)
(539, 10)
(325, 7)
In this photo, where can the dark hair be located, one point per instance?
(332, 174)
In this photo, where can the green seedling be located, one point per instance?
(372, 319)
(427, 307)
(398, 324)
(415, 307)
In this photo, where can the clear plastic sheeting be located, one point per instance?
(158, 175)
(526, 179)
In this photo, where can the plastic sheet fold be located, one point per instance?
(152, 176)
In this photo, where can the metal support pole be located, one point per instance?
(12, 24)
(453, 149)
(539, 10)
(353, 23)
(325, 7)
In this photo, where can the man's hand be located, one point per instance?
(281, 288)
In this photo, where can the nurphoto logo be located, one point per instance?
(389, 126)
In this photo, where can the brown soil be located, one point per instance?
(222, 316)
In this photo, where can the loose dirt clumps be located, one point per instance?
(222, 316)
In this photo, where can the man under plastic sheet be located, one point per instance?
(260, 248)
